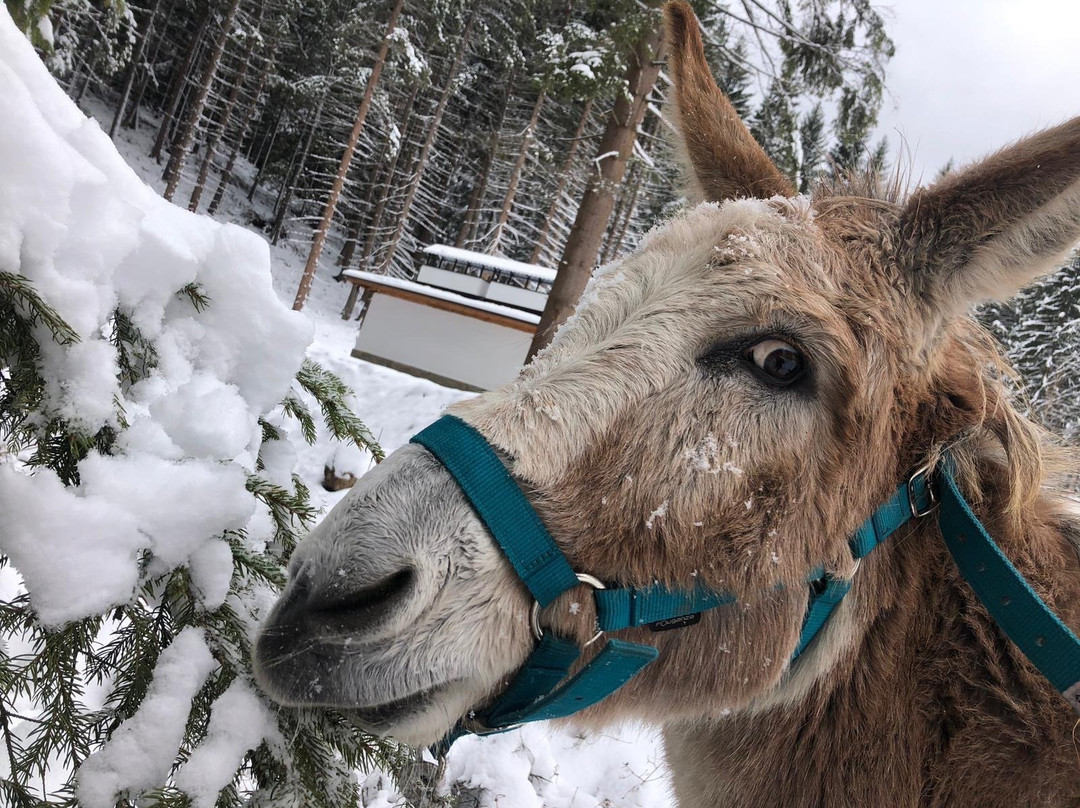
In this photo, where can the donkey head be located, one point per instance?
(725, 407)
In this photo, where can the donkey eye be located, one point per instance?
(780, 362)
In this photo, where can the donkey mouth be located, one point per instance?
(388, 714)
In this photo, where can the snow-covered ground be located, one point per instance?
(528, 768)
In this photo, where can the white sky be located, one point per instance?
(970, 76)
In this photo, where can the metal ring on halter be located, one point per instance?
(534, 617)
(924, 472)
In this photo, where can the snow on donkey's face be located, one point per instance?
(680, 427)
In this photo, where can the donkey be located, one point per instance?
(726, 406)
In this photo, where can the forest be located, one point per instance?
(533, 129)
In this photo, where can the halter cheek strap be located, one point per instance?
(534, 694)
(541, 689)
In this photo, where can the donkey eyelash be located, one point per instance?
(730, 356)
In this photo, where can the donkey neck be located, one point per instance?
(927, 704)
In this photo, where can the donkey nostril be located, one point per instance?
(364, 606)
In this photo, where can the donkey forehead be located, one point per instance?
(717, 267)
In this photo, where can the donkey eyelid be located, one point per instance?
(734, 354)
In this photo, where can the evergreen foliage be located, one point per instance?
(46, 676)
(1039, 329)
(812, 145)
(775, 127)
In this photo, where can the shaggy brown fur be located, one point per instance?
(924, 702)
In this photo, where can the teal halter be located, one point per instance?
(538, 691)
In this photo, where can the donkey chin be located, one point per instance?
(404, 639)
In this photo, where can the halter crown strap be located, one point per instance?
(1021, 614)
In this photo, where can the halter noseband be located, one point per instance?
(538, 691)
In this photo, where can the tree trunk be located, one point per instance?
(177, 90)
(136, 57)
(241, 133)
(628, 201)
(293, 175)
(433, 131)
(380, 208)
(616, 216)
(616, 146)
(131, 120)
(86, 82)
(356, 224)
(215, 132)
(618, 233)
(343, 167)
(476, 199)
(179, 153)
(264, 154)
(379, 177)
(515, 174)
(560, 186)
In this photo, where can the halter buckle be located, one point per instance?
(534, 616)
(913, 500)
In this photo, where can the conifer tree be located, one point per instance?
(1040, 331)
(775, 126)
(812, 147)
(44, 675)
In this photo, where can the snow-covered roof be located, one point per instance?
(492, 261)
(442, 294)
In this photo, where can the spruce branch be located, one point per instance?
(295, 408)
(333, 394)
(194, 293)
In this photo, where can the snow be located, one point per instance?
(210, 567)
(77, 221)
(92, 237)
(239, 721)
(39, 526)
(705, 456)
(536, 768)
(600, 158)
(415, 64)
(659, 513)
(492, 261)
(140, 754)
(442, 294)
(164, 512)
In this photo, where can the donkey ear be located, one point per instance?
(985, 232)
(724, 159)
